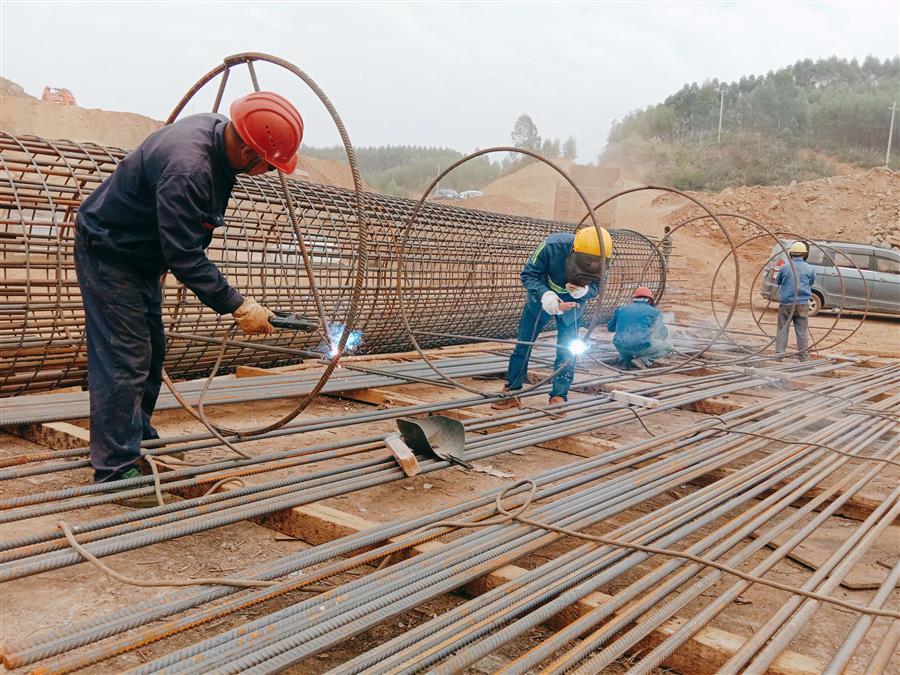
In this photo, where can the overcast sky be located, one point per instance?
(449, 74)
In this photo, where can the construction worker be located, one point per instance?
(793, 306)
(559, 278)
(157, 212)
(665, 246)
(641, 336)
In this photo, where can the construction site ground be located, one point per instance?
(62, 597)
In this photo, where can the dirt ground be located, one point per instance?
(73, 594)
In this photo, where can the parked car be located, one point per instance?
(466, 194)
(445, 193)
(878, 276)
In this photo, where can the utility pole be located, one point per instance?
(721, 108)
(887, 156)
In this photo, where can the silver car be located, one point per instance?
(878, 276)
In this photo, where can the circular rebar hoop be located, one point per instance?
(776, 236)
(737, 269)
(406, 233)
(334, 353)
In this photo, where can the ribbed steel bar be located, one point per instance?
(393, 609)
(410, 647)
(649, 610)
(142, 615)
(216, 510)
(276, 643)
(471, 257)
(532, 620)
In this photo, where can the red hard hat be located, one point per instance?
(643, 292)
(269, 124)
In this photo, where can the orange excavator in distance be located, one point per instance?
(58, 96)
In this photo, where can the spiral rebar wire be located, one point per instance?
(460, 271)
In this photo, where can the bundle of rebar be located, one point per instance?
(755, 486)
(459, 273)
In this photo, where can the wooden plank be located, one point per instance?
(705, 652)
(712, 406)
(314, 523)
(54, 435)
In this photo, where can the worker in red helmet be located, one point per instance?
(641, 336)
(158, 212)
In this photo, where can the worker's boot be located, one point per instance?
(139, 502)
(557, 400)
(506, 404)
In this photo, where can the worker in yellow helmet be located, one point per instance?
(559, 277)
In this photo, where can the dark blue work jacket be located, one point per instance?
(637, 326)
(546, 271)
(158, 209)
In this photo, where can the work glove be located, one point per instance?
(550, 303)
(576, 291)
(253, 318)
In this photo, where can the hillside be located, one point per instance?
(797, 123)
(22, 114)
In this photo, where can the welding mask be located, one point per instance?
(583, 268)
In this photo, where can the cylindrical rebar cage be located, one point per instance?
(460, 268)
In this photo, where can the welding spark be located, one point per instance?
(578, 346)
(335, 332)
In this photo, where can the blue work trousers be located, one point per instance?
(126, 346)
(532, 322)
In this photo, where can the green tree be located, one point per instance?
(525, 134)
(569, 149)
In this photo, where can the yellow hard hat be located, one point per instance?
(586, 241)
(798, 248)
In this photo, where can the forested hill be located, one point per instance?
(406, 170)
(779, 127)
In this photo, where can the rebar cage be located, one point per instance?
(459, 272)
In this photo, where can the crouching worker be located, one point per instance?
(641, 336)
(559, 278)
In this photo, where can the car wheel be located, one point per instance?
(815, 304)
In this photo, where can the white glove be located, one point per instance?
(577, 291)
(550, 303)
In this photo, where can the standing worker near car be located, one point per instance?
(559, 278)
(793, 304)
(157, 212)
(641, 336)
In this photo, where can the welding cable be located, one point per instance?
(628, 610)
(414, 643)
(774, 477)
(132, 625)
(862, 458)
(516, 515)
(155, 583)
(827, 503)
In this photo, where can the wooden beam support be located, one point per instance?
(712, 406)
(54, 435)
(704, 653)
